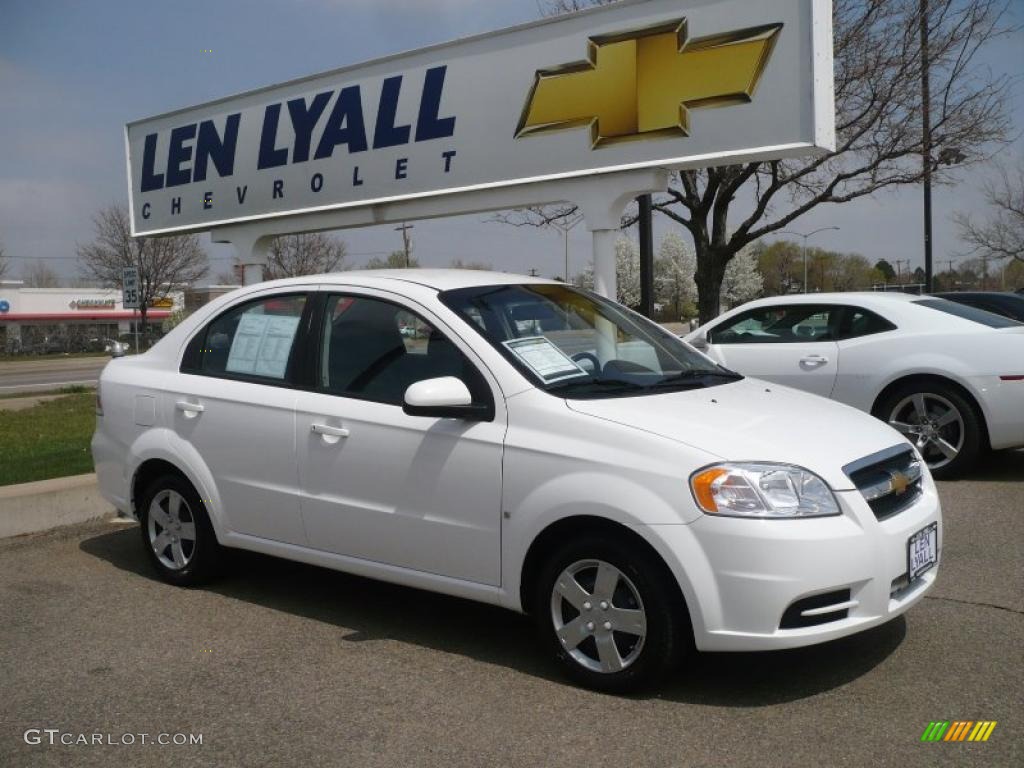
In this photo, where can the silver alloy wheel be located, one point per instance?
(598, 616)
(172, 529)
(933, 424)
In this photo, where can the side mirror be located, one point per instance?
(116, 349)
(443, 398)
(700, 342)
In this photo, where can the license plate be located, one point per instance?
(922, 551)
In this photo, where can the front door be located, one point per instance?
(791, 344)
(378, 484)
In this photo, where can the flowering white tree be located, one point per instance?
(627, 273)
(743, 280)
(674, 268)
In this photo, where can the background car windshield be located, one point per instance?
(576, 344)
(968, 313)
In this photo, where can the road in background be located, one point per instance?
(49, 372)
(282, 664)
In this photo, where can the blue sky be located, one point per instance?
(73, 72)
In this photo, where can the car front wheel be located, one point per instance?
(609, 615)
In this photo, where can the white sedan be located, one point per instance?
(948, 376)
(535, 447)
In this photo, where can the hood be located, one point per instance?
(754, 420)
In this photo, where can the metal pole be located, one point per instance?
(805, 262)
(646, 223)
(565, 235)
(926, 146)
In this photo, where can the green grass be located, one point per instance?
(49, 440)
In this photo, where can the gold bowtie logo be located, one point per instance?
(899, 483)
(644, 83)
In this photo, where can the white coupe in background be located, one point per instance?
(948, 376)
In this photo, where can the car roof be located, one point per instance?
(836, 298)
(437, 279)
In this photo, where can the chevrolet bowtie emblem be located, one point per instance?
(644, 83)
(899, 483)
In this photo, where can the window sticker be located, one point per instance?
(545, 359)
(262, 344)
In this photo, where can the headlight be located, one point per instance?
(762, 490)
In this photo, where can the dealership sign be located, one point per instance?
(648, 83)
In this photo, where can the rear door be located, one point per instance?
(791, 344)
(235, 404)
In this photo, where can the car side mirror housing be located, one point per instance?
(443, 398)
(700, 342)
(116, 349)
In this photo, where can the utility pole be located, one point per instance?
(926, 145)
(406, 240)
(533, 271)
(646, 224)
(899, 269)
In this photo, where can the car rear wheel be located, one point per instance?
(609, 615)
(940, 421)
(176, 532)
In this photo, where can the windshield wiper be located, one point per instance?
(696, 378)
(597, 384)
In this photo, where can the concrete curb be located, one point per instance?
(48, 504)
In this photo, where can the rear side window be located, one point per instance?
(968, 313)
(253, 340)
(861, 322)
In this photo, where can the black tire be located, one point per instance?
(668, 635)
(204, 556)
(973, 431)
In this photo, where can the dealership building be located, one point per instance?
(72, 316)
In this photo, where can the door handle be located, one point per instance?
(815, 360)
(189, 408)
(328, 431)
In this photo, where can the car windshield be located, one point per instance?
(968, 313)
(575, 344)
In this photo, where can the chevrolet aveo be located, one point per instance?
(522, 443)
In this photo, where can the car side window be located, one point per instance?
(858, 322)
(253, 340)
(781, 324)
(374, 350)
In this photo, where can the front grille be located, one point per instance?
(890, 481)
(793, 618)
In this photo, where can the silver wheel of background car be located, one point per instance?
(933, 424)
(598, 616)
(172, 529)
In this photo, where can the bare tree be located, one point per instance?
(304, 254)
(395, 260)
(38, 275)
(1001, 236)
(164, 263)
(878, 68)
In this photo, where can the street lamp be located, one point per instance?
(565, 226)
(806, 238)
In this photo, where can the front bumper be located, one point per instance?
(739, 576)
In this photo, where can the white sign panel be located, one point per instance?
(631, 85)
(130, 288)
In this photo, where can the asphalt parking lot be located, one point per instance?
(284, 664)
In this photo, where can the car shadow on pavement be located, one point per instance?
(367, 610)
(997, 466)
